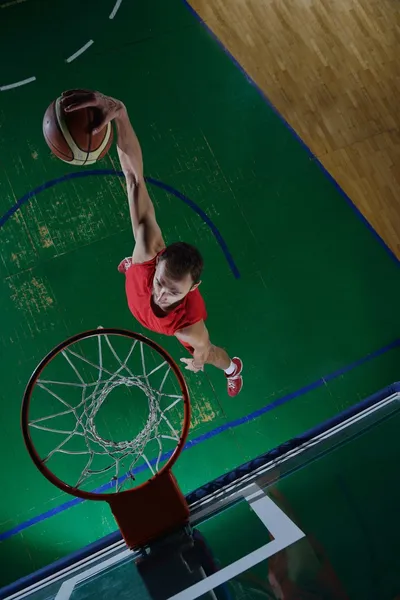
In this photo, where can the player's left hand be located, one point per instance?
(77, 99)
(190, 366)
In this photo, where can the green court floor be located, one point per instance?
(295, 282)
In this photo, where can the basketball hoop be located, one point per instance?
(68, 413)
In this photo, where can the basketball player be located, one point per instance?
(162, 282)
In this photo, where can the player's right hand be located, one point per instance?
(76, 99)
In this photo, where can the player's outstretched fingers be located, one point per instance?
(190, 365)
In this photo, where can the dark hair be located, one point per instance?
(183, 259)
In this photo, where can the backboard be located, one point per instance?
(314, 518)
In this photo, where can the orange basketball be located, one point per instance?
(69, 134)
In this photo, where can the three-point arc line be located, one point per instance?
(79, 52)
(11, 86)
(115, 9)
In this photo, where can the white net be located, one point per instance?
(68, 403)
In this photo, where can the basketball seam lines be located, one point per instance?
(105, 141)
(80, 157)
(99, 147)
(55, 118)
(67, 156)
(78, 153)
(90, 138)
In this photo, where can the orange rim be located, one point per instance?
(27, 401)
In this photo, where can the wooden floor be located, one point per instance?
(332, 69)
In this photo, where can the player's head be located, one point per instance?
(177, 273)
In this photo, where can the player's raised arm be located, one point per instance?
(146, 230)
(147, 233)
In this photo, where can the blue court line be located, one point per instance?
(292, 131)
(206, 220)
(213, 433)
(101, 172)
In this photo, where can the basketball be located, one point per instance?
(69, 134)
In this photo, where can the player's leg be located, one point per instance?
(219, 358)
(232, 368)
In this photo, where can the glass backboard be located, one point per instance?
(316, 518)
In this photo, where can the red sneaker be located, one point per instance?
(125, 264)
(235, 381)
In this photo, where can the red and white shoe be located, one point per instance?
(125, 264)
(235, 381)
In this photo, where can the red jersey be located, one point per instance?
(139, 289)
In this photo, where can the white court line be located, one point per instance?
(12, 3)
(67, 588)
(115, 9)
(99, 556)
(10, 86)
(79, 52)
(284, 531)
